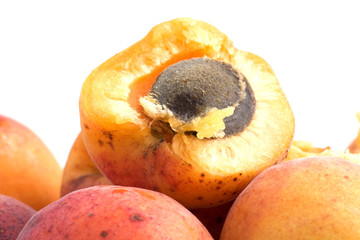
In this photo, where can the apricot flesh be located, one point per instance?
(114, 212)
(301, 149)
(13, 217)
(80, 171)
(133, 149)
(28, 170)
(306, 198)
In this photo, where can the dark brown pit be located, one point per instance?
(190, 88)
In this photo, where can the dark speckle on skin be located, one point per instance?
(86, 126)
(202, 175)
(103, 233)
(200, 198)
(235, 179)
(136, 218)
(108, 135)
(111, 145)
(100, 142)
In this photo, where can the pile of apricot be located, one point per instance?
(183, 136)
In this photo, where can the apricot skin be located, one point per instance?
(306, 198)
(80, 171)
(213, 218)
(28, 170)
(114, 212)
(13, 216)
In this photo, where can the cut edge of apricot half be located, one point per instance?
(110, 107)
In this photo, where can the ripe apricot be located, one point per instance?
(199, 136)
(13, 217)
(28, 170)
(307, 198)
(301, 149)
(213, 218)
(80, 171)
(114, 212)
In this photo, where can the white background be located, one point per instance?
(48, 48)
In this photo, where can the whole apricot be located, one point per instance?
(114, 212)
(306, 198)
(28, 170)
(13, 217)
(80, 171)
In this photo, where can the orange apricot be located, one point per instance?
(80, 171)
(28, 170)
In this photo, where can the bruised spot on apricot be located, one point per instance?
(201, 96)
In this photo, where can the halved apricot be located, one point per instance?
(150, 120)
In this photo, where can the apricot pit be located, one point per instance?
(201, 95)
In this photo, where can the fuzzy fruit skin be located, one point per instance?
(28, 170)
(198, 173)
(13, 216)
(80, 171)
(213, 218)
(307, 198)
(114, 212)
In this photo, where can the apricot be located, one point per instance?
(80, 171)
(13, 217)
(354, 146)
(28, 170)
(114, 212)
(213, 218)
(306, 198)
(185, 113)
(301, 149)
